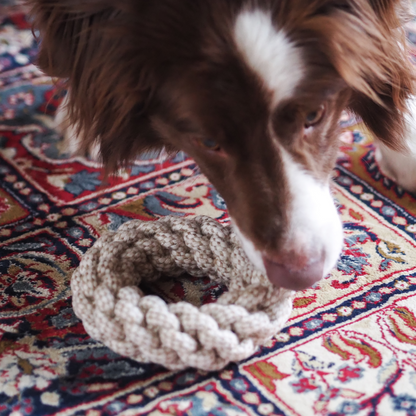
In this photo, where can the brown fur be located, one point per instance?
(150, 74)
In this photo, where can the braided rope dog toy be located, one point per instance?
(114, 310)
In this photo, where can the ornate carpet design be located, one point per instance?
(349, 347)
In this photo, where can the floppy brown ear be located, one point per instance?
(364, 42)
(395, 13)
(393, 74)
(109, 77)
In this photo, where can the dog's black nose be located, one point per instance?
(289, 277)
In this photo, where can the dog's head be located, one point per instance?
(252, 90)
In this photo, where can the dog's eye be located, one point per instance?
(209, 144)
(315, 117)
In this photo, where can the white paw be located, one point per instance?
(400, 167)
(71, 144)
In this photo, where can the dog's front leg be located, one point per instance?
(72, 144)
(401, 165)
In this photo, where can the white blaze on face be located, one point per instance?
(315, 229)
(269, 53)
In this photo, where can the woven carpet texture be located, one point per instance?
(349, 347)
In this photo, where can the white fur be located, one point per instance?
(71, 140)
(315, 228)
(401, 167)
(398, 166)
(252, 253)
(269, 53)
(63, 126)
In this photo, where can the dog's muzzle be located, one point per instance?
(292, 278)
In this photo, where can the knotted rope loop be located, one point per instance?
(107, 297)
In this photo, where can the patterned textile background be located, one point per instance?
(349, 347)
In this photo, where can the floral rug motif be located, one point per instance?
(349, 347)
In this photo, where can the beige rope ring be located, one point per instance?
(114, 310)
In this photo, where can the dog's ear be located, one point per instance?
(364, 42)
(61, 26)
(394, 13)
(393, 76)
(108, 74)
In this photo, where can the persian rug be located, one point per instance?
(350, 344)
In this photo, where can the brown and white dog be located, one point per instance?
(253, 91)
